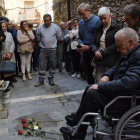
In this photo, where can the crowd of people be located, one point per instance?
(107, 48)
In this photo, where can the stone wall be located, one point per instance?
(60, 7)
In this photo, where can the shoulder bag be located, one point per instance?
(25, 47)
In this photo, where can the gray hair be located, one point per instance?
(86, 7)
(62, 23)
(15, 23)
(104, 11)
(128, 33)
(47, 15)
(4, 21)
(10, 21)
(133, 10)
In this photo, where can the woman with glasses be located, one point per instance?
(132, 17)
(25, 37)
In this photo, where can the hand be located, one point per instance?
(8, 55)
(26, 29)
(4, 56)
(1, 38)
(104, 79)
(98, 55)
(94, 86)
(83, 49)
(73, 37)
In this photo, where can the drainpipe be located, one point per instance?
(68, 4)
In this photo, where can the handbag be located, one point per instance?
(25, 47)
(109, 61)
(8, 67)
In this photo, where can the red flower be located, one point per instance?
(23, 121)
(20, 132)
(25, 125)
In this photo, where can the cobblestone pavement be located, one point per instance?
(44, 103)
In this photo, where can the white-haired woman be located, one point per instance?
(104, 46)
(8, 48)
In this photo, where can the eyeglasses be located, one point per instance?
(128, 19)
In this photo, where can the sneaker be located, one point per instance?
(78, 75)
(74, 75)
(39, 84)
(29, 77)
(23, 78)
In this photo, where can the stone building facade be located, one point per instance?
(60, 7)
(2, 7)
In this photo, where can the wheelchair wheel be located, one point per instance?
(128, 127)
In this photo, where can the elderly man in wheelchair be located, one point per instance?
(116, 96)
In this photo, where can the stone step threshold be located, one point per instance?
(47, 96)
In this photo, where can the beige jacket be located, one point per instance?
(8, 46)
(23, 38)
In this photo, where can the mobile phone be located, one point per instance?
(78, 46)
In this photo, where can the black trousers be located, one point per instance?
(91, 101)
(87, 58)
(18, 62)
(76, 60)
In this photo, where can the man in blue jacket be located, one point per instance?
(124, 77)
(87, 27)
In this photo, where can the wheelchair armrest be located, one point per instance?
(136, 92)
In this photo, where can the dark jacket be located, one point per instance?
(125, 76)
(111, 47)
(35, 40)
(2, 35)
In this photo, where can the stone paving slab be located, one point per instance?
(47, 109)
(29, 101)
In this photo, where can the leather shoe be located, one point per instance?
(67, 131)
(72, 115)
(69, 119)
(14, 80)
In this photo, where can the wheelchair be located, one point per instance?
(122, 114)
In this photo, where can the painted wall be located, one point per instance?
(17, 14)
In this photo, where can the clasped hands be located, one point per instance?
(95, 86)
(7, 56)
(1, 38)
(98, 55)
